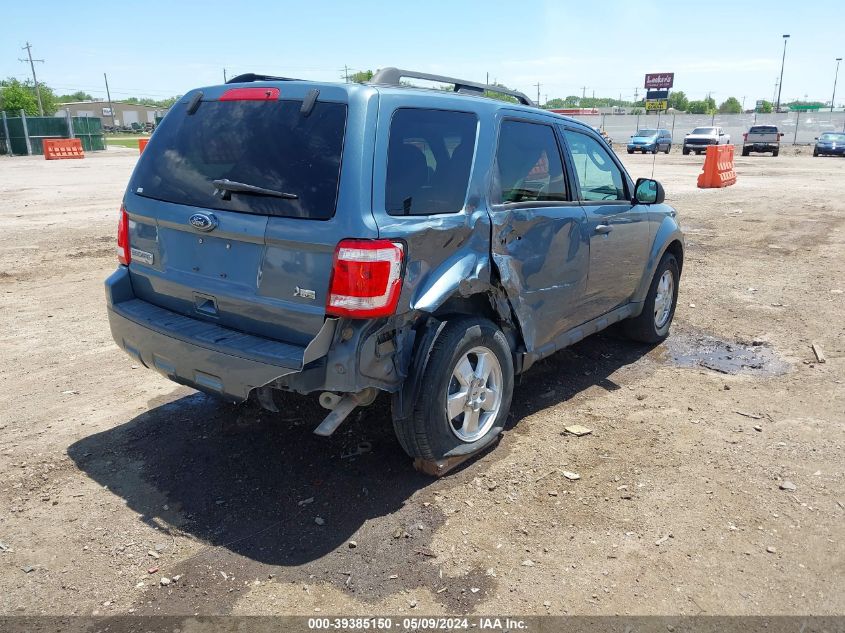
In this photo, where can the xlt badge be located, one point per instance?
(304, 293)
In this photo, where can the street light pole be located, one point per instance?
(835, 77)
(782, 62)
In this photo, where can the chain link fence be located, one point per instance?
(24, 135)
(799, 128)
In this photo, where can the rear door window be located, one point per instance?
(429, 159)
(267, 144)
(528, 164)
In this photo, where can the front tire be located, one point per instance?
(630, 151)
(815, 152)
(745, 152)
(775, 153)
(685, 151)
(653, 323)
(465, 393)
(668, 148)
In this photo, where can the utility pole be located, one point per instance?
(782, 62)
(224, 75)
(346, 73)
(108, 95)
(538, 92)
(835, 77)
(28, 49)
(584, 92)
(636, 93)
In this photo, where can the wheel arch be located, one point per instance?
(668, 239)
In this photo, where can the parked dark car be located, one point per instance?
(830, 144)
(424, 243)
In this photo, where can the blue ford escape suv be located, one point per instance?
(286, 235)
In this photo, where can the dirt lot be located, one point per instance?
(121, 492)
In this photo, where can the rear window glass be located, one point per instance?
(763, 129)
(428, 161)
(267, 144)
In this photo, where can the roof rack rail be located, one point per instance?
(392, 77)
(247, 77)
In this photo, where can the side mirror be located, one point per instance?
(817, 138)
(648, 191)
(781, 133)
(721, 133)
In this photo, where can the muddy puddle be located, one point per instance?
(689, 348)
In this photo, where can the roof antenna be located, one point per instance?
(656, 146)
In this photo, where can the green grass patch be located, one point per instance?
(124, 142)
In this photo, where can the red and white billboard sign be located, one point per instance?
(656, 81)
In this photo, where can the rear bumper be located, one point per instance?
(199, 354)
(761, 147)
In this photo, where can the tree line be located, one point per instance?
(16, 95)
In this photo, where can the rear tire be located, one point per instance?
(630, 151)
(668, 148)
(685, 151)
(654, 151)
(775, 153)
(437, 430)
(653, 323)
(815, 152)
(745, 152)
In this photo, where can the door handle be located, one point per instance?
(603, 229)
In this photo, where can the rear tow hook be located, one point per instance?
(341, 407)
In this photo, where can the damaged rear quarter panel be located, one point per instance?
(447, 254)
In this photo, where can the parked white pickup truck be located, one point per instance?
(698, 140)
(761, 138)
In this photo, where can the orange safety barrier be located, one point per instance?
(142, 143)
(57, 148)
(718, 167)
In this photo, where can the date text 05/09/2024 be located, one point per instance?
(379, 624)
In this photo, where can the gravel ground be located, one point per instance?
(712, 481)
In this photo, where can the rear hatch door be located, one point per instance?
(232, 208)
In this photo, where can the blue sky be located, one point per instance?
(729, 48)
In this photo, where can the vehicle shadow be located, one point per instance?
(262, 486)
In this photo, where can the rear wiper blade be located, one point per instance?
(225, 187)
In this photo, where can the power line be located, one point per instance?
(28, 49)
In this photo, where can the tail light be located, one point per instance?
(366, 278)
(124, 255)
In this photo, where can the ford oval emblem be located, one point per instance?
(203, 221)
